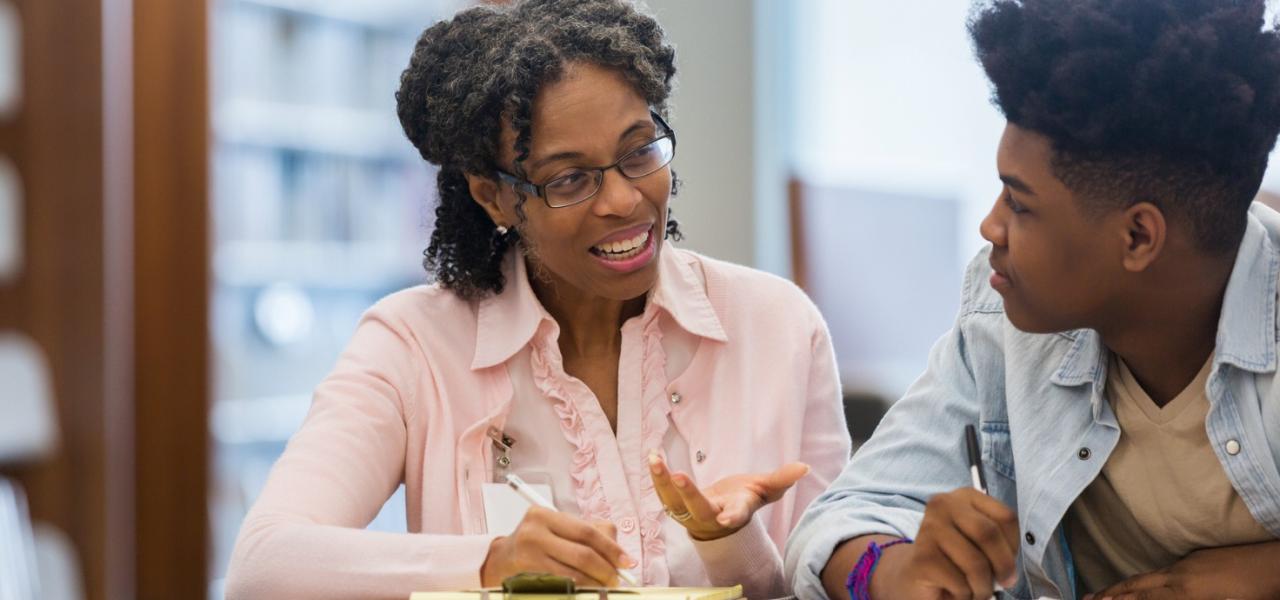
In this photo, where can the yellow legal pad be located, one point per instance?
(647, 593)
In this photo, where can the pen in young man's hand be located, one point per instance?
(975, 466)
(975, 459)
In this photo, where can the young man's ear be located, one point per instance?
(1146, 232)
(485, 192)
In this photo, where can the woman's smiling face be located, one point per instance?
(608, 245)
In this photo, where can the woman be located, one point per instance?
(565, 341)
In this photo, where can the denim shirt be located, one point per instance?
(1046, 426)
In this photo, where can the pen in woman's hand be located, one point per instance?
(531, 496)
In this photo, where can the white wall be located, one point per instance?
(893, 100)
(775, 124)
(713, 109)
(1271, 181)
(891, 107)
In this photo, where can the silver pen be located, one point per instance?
(533, 497)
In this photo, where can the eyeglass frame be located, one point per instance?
(539, 190)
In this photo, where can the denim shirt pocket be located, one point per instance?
(997, 449)
(997, 461)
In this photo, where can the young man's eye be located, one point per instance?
(1013, 204)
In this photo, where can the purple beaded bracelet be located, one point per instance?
(859, 581)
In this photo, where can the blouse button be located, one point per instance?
(1084, 454)
(1031, 538)
(675, 397)
(627, 525)
(1233, 447)
(700, 456)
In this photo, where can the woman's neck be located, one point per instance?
(589, 324)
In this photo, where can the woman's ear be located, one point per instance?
(485, 192)
(1145, 235)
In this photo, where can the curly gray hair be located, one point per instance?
(485, 65)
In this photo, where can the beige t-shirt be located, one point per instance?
(1161, 495)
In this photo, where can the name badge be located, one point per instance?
(504, 508)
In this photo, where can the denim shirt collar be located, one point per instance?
(1084, 364)
(1246, 329)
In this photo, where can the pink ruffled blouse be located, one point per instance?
(728, 370)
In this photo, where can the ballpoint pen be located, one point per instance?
(975, 466)
(533, 497)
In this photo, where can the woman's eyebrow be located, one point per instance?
(553, 158)
(638, 125)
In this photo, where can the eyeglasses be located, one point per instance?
(579, 185)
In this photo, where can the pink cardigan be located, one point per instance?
(427, 374)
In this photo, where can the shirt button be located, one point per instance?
(1084, 454)
(627, 525)
(700, 456)
(1233, 447)
(675, 397)
(1031, 538)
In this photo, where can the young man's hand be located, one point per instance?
(967, 543)
(1239, 572)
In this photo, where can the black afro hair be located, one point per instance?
(1174, 102)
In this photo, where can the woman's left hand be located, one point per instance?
(725, 506)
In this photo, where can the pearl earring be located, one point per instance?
(502, 230)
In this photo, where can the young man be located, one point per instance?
(1117, 343)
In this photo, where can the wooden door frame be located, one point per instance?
(56, 141)
(111, 142)
(171, 266)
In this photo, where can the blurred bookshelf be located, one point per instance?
(320, 207)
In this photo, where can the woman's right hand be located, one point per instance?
(546, 541)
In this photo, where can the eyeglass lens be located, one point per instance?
(580, 184)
